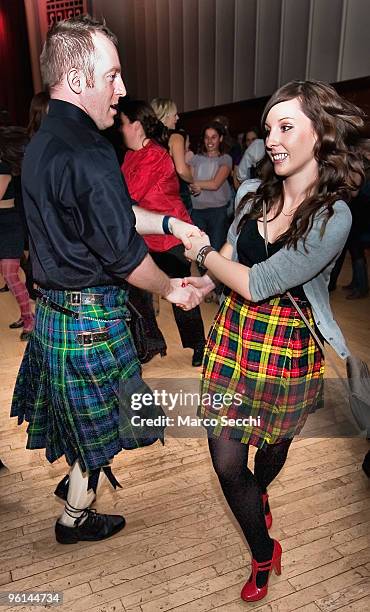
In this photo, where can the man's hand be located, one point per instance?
(204, 284)
(186, 297)
(197, 242)
(184, 231)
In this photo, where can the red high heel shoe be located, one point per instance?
(268, 516)
(250, 591)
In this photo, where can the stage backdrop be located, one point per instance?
(15, 70)
(204, 53)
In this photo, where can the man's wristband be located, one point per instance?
(166, 224)
(203, 254)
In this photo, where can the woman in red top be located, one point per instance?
(152, 182)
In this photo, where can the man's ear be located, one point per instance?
(75, 80)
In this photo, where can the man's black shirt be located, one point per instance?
(79, 212)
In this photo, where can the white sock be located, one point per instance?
(79, 498)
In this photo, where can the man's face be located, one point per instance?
(98, 100)
(250, 137)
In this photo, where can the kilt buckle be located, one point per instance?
(75, 298)
(89, 338)
(85, 338)
(78, 298)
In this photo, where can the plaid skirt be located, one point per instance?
(71, 395)
(262, 372)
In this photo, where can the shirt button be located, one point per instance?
(343, 354)
(318, 323)
(331, 339)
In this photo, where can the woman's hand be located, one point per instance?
(195, 189)
(197, 242)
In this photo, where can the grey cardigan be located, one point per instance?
(311, 267)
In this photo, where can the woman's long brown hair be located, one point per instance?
(339, 152)
(13, 141)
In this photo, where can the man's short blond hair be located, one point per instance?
(69, 44)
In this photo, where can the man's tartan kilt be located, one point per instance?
(70, 394)
(264, 357)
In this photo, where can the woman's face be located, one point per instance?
(212, 141)
(171, 118)
(129, 132)
(290, 140)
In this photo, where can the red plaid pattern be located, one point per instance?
(264, 356)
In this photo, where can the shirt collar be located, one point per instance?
(61, 108)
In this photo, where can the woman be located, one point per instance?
(210, 189)
(166, 112)
(38, 109)
(12, 142)
(259, 349)
(152, 182)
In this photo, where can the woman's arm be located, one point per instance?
(286, 268)
(208, 281)
(213, 184)
(176, 145)
(230, 273)
(4, 182)
(290, 267)
(236, 181)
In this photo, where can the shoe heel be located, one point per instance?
(277, 567)
(63, 537)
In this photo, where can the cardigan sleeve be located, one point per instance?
(290, 267)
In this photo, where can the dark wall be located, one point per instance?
(16, 89)
(243, 115)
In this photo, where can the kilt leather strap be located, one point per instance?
(46, 300)
(88, 338)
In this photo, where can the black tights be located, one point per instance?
(242, 488)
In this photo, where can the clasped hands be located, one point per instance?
(187, 293)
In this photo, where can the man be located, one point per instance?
(84, 247)
(252, 155)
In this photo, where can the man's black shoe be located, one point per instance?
(62, 488)
(95, 527)
(16, 324)
(366, 464)
(4, 289)
(198, 356)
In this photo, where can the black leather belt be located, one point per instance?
(87, 338)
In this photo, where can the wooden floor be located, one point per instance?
(181, 549)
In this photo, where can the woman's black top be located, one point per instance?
(11, 228)
(251, 250)
(9, 192)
